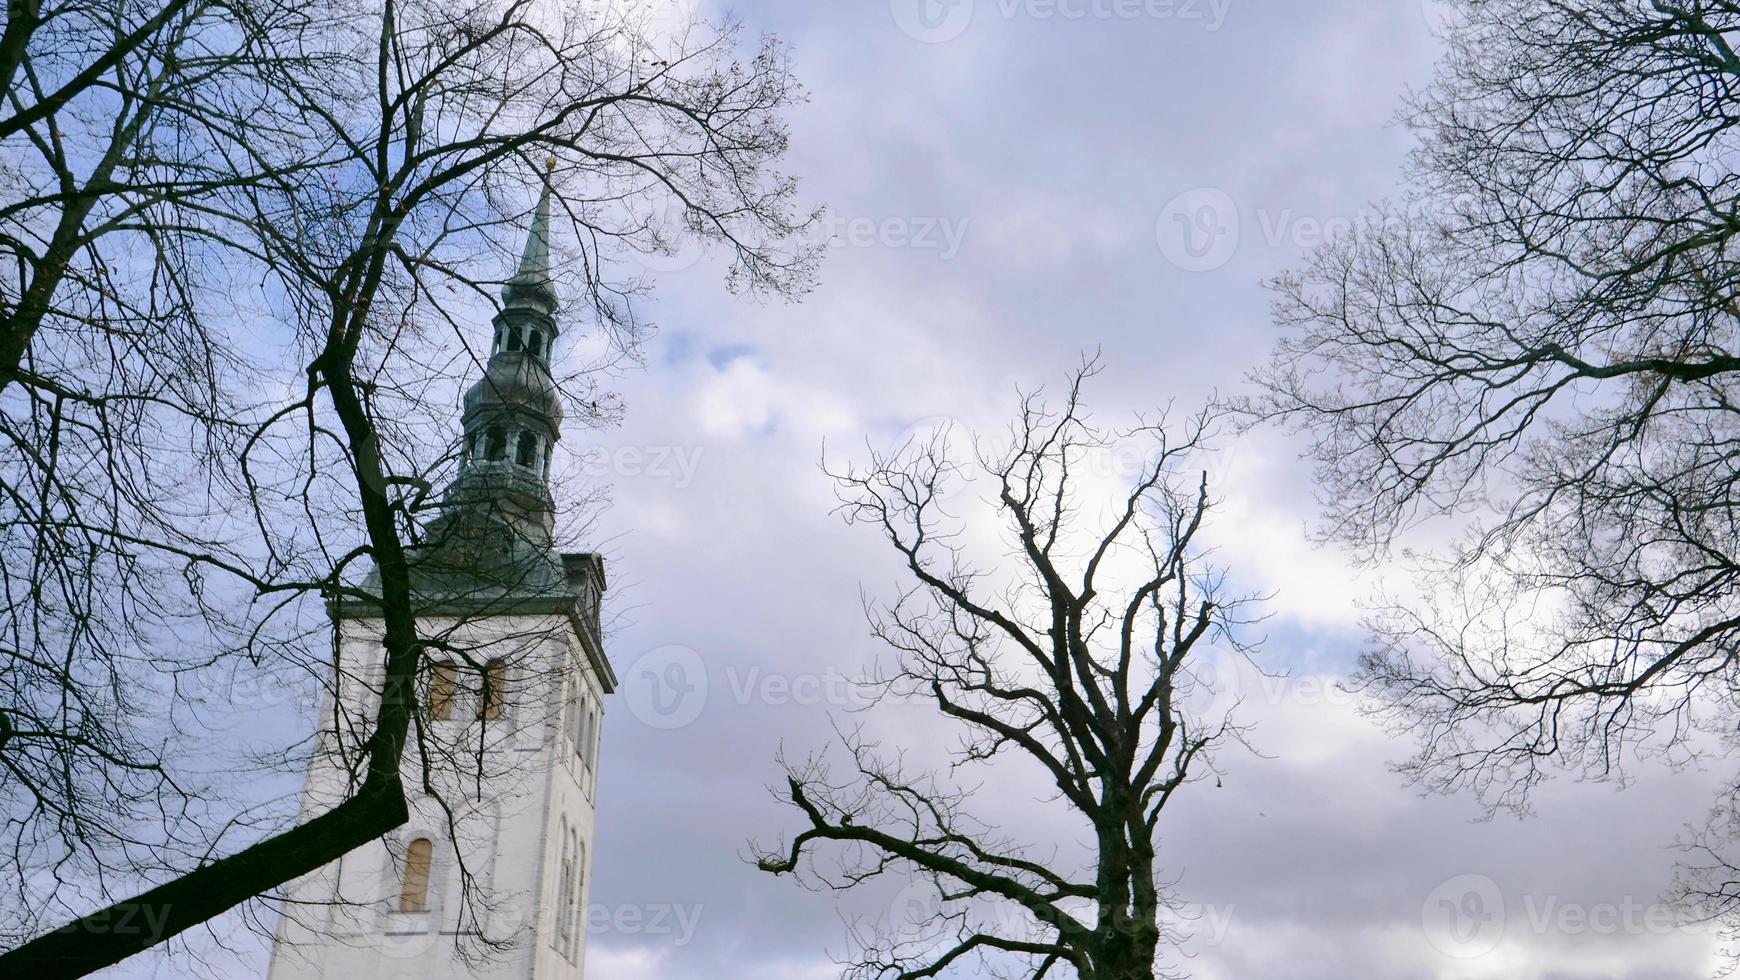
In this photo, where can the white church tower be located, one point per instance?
(489, 878)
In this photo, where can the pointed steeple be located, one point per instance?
(512, 416)
(491, 547)
(531, 284)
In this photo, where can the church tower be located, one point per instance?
(489, 878)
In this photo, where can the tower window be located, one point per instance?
(495, 444)
(495, 679)
(584, 748)
(442, 686)
(414, 892)
(574, 725)
(513, 338)
(497, 345)
(565, 894)
(572, 913)
(535, 344)
(527, 453)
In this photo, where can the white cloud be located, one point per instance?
(745, 399)
(626, 962)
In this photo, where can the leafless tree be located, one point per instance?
(1538, 346)
(254, 242)
(1080, 661)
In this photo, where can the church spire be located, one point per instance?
(531, 283)
(513, 416)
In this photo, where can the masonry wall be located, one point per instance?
(507, 792)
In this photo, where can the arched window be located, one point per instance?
(535, 343)
(592, 719)
(574, 718)
(565, 893)
(495, 444)
(495, 679)
(414, 891)
(442, 687)
(513, 338)
(586, 736)
(570, 911)
(578, 728)
(526, 454)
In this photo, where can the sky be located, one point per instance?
(1012, 184)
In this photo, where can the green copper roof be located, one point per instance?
(531, 284)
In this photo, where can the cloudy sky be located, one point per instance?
(1011, 183)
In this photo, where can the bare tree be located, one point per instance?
(1538, 345)
(225, 377)
(1076, 661)
(91, 91)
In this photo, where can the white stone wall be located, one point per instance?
(505, 789)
